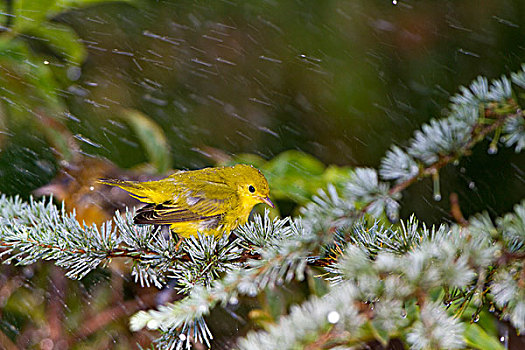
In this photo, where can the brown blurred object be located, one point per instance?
(75, 183)
(76, 186)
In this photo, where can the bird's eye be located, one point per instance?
(251, 189)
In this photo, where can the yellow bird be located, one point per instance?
(212, 201)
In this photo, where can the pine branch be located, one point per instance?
(390, 277)
(36, 230)
(479, 134)
(39, 230)
(278, 263)
(410, 263)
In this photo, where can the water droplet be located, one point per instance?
(28, 272)
(182, 337)
(46, 62)
(475, 318)
(403, 313)
(502, 339)
(472, 185)
(492, 149)
(394, 2)
(91, 188)
(333, 317)
(233, 301)
(436, 185)
(152, 324)
(73, 73)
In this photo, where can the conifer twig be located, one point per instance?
(479, 133)
(455, 210)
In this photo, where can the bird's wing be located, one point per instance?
(167, 213)
(196, 200)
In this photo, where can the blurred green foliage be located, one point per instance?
(152, 139)
(39, 58)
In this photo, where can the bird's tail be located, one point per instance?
(134, 188)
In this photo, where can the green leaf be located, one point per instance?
(62, 40)
(477, 338)
(29, 14)
(298, 176)
(24, 302)
(317, 286)
(369, 332)
(380, 334)
(246, 158)
(31, 82)
(14, 51)
(152, 138)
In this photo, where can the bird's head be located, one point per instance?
(252, 185)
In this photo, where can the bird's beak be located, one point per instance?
(267, 201)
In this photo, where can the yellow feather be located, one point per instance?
(212, 201)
